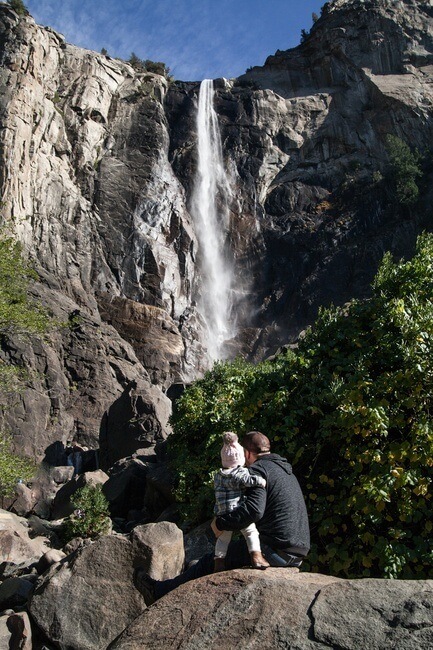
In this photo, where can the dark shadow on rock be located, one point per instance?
(136, 420)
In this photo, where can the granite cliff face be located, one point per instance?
(97, 163)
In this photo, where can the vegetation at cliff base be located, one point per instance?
(351, 410)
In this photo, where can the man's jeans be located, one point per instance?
(237, 557)
(281, 558)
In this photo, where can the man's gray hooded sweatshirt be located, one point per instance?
(278, 511)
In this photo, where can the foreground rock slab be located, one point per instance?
(86, 600)
(280, 608)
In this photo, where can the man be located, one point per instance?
(279, 513)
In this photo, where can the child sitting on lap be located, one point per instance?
(230, 483)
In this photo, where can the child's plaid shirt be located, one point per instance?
(230, 485)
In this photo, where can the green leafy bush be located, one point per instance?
(405, 170)
(351, 411)
(19, 313)
(91, 517)
(12, 467)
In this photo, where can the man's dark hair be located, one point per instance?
(256, 442)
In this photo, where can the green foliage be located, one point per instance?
(12, 467)
(19, 314)
(207, 409)
(405, 170)
(351, 411)
(91, 517)
(19, 7)
(11, 378)
(157, 67)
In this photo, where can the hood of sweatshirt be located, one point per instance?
(277, 460)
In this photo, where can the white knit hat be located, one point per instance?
(232, 453)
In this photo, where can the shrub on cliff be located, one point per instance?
(19, 7)
(405, 170)
(91, 517)
(13, 468)
(19, 313)
(157, 67)
(351, 411)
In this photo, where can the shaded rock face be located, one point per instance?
(97, 165)
(88, 598)
(280, 608)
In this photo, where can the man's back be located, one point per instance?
(284, 523)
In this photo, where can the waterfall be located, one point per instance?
(211, 197)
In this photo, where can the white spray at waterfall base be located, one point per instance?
(211, 198)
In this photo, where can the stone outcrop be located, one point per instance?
(16, 545)
(137, 419)
(279, 608)
(15, 631)
(160, 546)
(87, 599)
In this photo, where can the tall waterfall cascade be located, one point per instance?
(210, 203)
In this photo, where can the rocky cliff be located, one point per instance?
(97, 165)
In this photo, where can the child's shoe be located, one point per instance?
(258, 561)
(219, 564)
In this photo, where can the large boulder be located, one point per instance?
(15, 544)
(14, 592)
(159, 489)
(15, 631)
(86, 601)
(281, 608)
(161, 546)
(126, 486)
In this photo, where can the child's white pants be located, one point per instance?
(250, 533)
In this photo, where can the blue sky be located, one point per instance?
(197, 39)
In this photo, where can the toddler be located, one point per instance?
(230, 482)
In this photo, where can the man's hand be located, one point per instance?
(217, 532)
